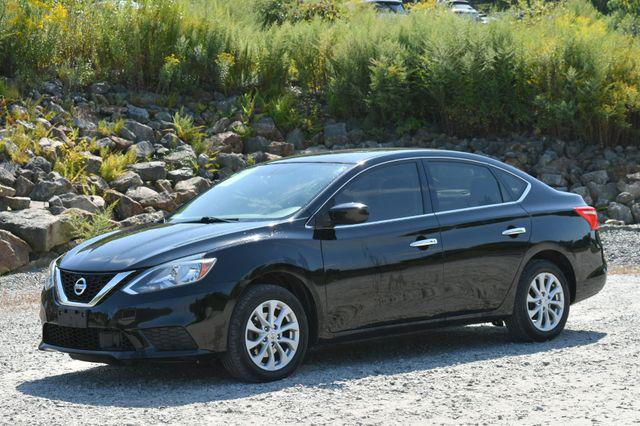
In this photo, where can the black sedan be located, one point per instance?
(311, 249)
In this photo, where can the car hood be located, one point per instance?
(151, 245)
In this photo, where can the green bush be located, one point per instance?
(563, 69)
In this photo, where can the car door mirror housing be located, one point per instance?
(349, 214)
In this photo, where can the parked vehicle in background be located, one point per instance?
(465, 9)
(318, 248)
(387, 6)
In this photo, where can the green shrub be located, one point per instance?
(86, 227)
(562, 69)
(114, 164)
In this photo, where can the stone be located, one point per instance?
(14, 252)
(163, 116)
(583, 191)
(86, 127)
(89, 203)
(125, 207)
(297, 139)
(221, 125)
(38, 227)
(230, 141)
(182, 197)
(624, 198)
(141, 132)
(137, 113)
(147, 197)
(45, 189)
(335, 134)
(196, 184)
(163, 185)
(17, 203)
(180, 174)
(105, 143)
(255, 144)
(553, 179)
(620, 212)
(151, 171)
(39, 163)
(635, 211)
(632, 188)
(266, 127)
(7, 177)
(92, 163)
(282, 149)
(142, 219)
(7, 191)
(126, 180)
(171, 140)
(600, 177)
(143, 149)
(55, 205)
(234, 162)
(51, 147)
(183, 156)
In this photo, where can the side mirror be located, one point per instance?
(349, 213)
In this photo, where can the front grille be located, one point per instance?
(170, 339)
(89, 339)
(95, 283)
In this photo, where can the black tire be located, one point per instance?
(236, 359)
(519, 324)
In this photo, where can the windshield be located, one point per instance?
(272, 191)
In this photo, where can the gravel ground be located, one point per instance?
(589, 374)
(622, 246)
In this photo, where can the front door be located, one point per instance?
(388, 268)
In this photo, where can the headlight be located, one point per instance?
(51, 278)
(177, 273)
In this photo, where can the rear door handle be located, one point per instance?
(514, 231)
(424, 243)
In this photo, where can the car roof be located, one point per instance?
(380, 155)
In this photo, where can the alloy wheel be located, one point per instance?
(545, 301)
(272, 335)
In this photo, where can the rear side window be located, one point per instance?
(461, 185)
(513, 187)
(390, 192)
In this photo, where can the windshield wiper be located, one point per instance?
(210, 219)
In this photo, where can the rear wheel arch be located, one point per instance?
(562, 262)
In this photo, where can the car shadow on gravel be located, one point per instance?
(154, 386)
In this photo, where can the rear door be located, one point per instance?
(484, 230)
(388, 268)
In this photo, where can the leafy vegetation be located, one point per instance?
(562, 69)
(89, 226)
(115, 163)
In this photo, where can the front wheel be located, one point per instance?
(542, 303)
(268, 335)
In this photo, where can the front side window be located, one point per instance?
(461, 185)
(272, 191)
(390, 192)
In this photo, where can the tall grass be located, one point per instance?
(563, 70)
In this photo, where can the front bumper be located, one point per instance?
(177, 324)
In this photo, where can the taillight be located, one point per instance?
(589, 214)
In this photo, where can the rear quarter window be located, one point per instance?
(512, 186)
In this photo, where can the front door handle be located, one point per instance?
(514, 231)
(424, 243)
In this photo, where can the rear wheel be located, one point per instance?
(542, 303)
(268, 335)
